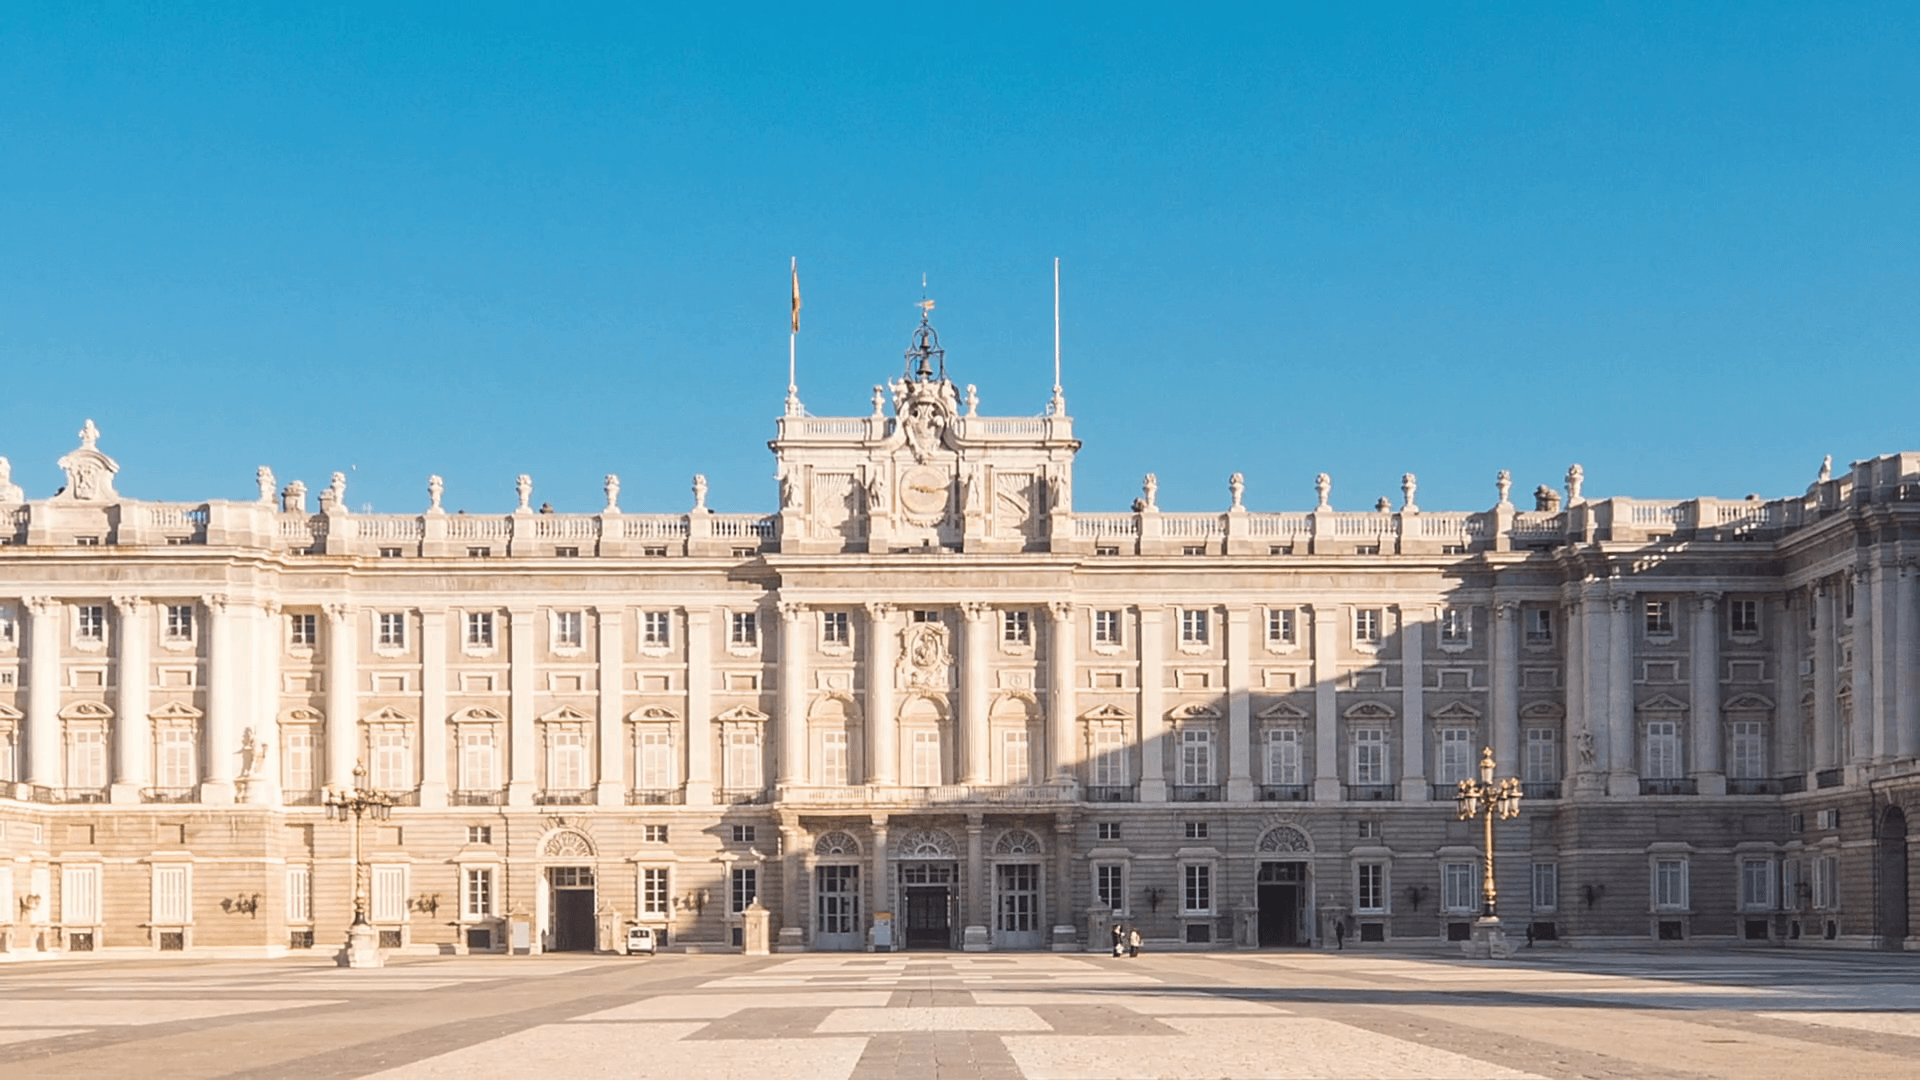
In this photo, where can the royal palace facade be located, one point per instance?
(928, 703)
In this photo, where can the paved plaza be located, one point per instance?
(947, 1015)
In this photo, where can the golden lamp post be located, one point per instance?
(355, 803)
(1485, 799)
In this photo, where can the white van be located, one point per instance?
(640, 940)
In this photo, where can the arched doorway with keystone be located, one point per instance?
(1283, 884)
(566, 896)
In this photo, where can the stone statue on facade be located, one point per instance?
(1062, 493)
(1576, 476)
(253, 754)
(1408, 485)
(9, 491)
(1383, 506)
(879, 400)
(523, 488)
(1588, 756)
(1150, 492)
(1546, 500)
(1323, 487)
(612, 487)
(263, 479)
(699, 491)
(1237, 488)
(789, 492)
(1826, 468)
(973, 401)
(435, 488)
(972, 498)
(335, 497)
(1503, 483)
(877, 491)
(293, 500)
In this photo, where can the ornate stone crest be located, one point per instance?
(926, 661)
(89, 472)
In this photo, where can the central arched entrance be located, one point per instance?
(1283, 884)
(568, 892)
(927, 860)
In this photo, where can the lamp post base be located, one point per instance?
(1489, 941)
(362, 949)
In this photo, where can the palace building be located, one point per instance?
(928, 703)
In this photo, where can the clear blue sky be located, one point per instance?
(1674, 242)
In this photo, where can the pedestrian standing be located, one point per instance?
(1119, 940)
(1340, 933)
(1133, 942)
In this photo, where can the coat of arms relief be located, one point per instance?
(926, 661)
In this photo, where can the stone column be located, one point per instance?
(226, 679)
(975, 686)
(1239, 705)
(880, 888)
(1887, 660)
(263, 786)
(1582, 771)
(976, 937)
(883, 724)
(1326, 705)
(791, 768)
(699, 726)
(1862, 732)
(1624, 778)
(1062, 686)
(43, 691)
(1413, 707)
(523, 757)
(433, 707)
(1826, 688)
(1062, 936)
(343, 694)
(1790, 734)
(1708, 772)
(1153, 708)
(610, 777)
(793, 855)
(1505, 686)
(1907, 648)
(133, 731)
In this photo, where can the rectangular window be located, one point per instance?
(87, 759)
(833, 757)
(656, 629)
(1659, 617)
(1756, 884)
(297, 756)
(1748, 757)
(479, 834)
(570, 630)
(179, 626)
(1663, 750)
(1670, 884)
(90, 622)
(744, 772)
(389, 894)
(1283, 756)
(1370, 756)
(1197, 898)
(1107, 830)
(79, 895)
(1826, 882)
(1015, 765)
(743, 834)
(477, 757)
(1543, 757)
(1279, 626)
(1110, 885)
(304, 630)
(8, 633)
(1016, 627)
(745, 633)
(1366, 626)
(390, 553)
(1539, 626)
(566, 761)
(653, 891)
(1193, 626)
(299, 894)
(391, 768)
(480, 629)
(479, 899)
(1455, 754)
(745, 886)
(926, 758)
(1106, 628)
(1198, 830)
(656, 771)
(653, 834)
(835, 628)
(1456, 626)
(1370, 887)
(176, 765)
(921, 615)
(836, 899)
(172, 899)
(1457, 892)
(392, 630)
(1546, 886)
(1109, 757)
(1196, 756)
(1743, 617)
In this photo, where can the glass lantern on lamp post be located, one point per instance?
(355, 804)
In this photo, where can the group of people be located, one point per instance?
(1126, 940)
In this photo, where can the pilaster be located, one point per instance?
(1153, 705)
(976, 660)
(1326, 711)
(343, 699)
(1708, 771)
(1623, 778)
(794, 625)
(523, 759)
(44, 625)
(1505, 684)
(1239, 705)
(1062, 684)
(699, 726)
(133, 730)
(1907, 648)
(433, 707)
(227, 677)
(883, 723)
(1413, 705)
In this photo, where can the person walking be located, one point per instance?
(1340, 933)
(1133, 942)
(1119, 940)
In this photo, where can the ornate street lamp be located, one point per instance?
(355, 803)
(1485, 799)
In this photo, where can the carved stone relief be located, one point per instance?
(926, 660)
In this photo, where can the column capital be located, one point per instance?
(880, 610)
(1506, 610)
(338, 614)
(1061, 610)
(271, 607)
(1622, 603)
(41, 605)
(215, 603)
(792, 610)
(1707, 601)
(975, 611)
(878, 821)
(129, 605)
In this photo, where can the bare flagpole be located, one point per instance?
(1059, 406)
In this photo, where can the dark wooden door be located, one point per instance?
(1279, 915)
(928, 926)
(573, 920)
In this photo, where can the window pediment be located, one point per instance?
(566, 714)
(652, 714)
(1661, 703)
(86, 710)
(1542, 710)
(1106, 712)
(1749, 703)
(1369, 710)
(1284, 711)
(741, 714)
(1458, 710)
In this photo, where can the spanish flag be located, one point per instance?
(796, 294)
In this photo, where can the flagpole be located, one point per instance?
(1059, 406)
(793, 334)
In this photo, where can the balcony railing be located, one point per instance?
(403, 798)
(1793, 785)
(166, 794)
(1370, 792)
(1755, 787)
(1285, 793)
(564, 797)
(496, 797)
(1536, 789)
(300, 798)
(1678, 785)
(652, 796)
(742, 796)
(77, 794)
(1827, 778)
(1111, 793)
(1196, 793)
(940, 795)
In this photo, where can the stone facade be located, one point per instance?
(927, 688)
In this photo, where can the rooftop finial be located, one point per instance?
(926, 360)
